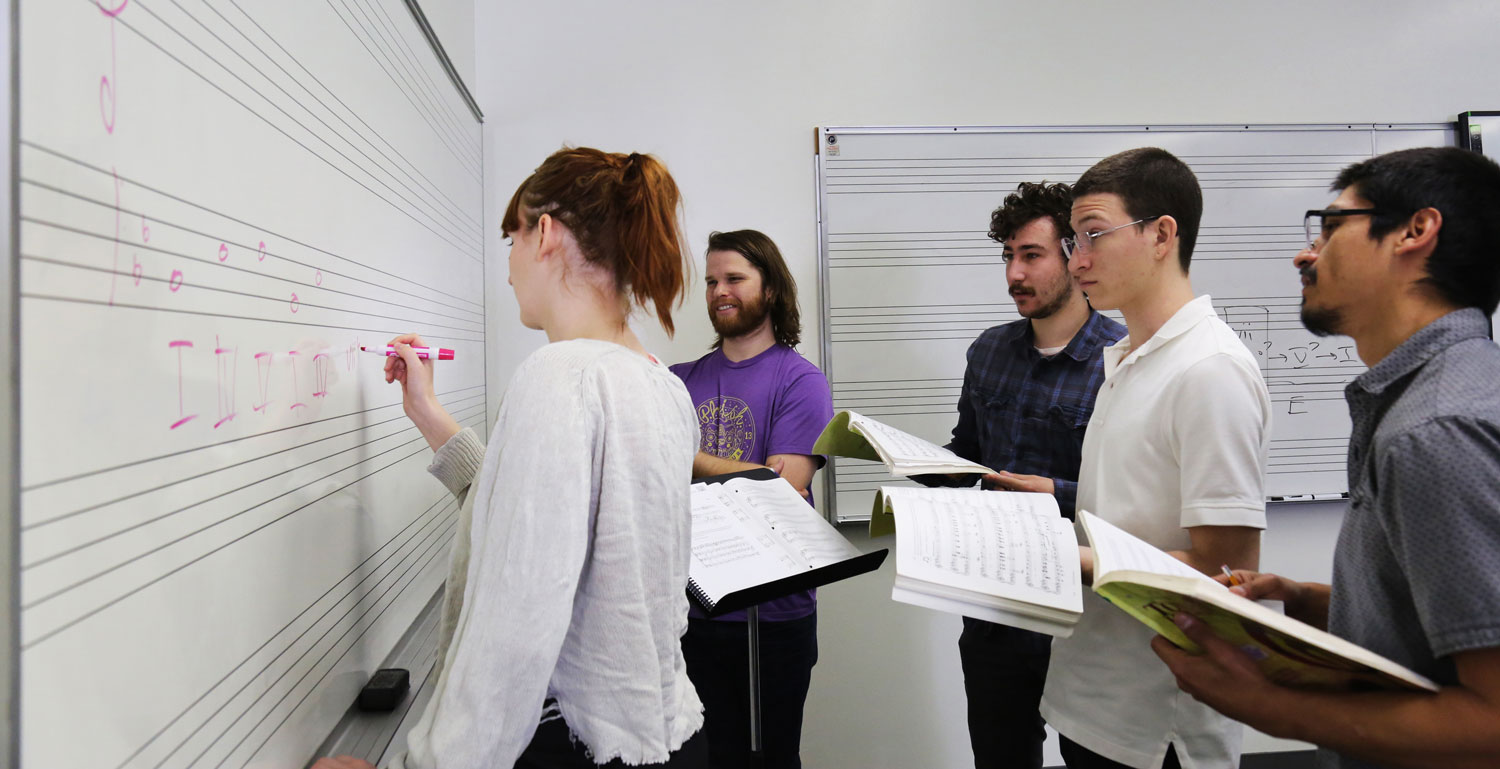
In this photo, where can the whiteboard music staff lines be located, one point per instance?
(420, 559)
(271, 232)
(159, 226)
(178, 283)
(410, 167)
(429, 556)
(391, 330)
(447, 224)
(464, 414)
(459, 152)
(467, 250)
(389, 55)
(33, 641)
(162, 516)
(410, 60)
(449, 209)
(227, 442)
(437, 512)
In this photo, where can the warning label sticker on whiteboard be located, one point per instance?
(831, 145)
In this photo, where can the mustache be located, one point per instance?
(1310, 273)
(1019, 290)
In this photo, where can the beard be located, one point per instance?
(749, 318)
(1319, 322)
(1062, 292)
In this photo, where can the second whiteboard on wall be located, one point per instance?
(910, 277)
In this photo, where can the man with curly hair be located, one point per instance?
(1027, 395)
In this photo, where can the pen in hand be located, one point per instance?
(1233, 580)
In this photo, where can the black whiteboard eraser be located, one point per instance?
(384, 690)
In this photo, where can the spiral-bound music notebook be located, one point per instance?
(755, 539)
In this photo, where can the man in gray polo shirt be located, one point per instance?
(1407, 262)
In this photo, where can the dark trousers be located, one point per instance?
(1004, 670)
(553, 747)
(718, 662)
(1078, 757)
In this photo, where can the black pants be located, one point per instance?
(1078, 757)
(718, 662)
(554, 748)
(1004, 670)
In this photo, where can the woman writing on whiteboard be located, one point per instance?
(565, 602)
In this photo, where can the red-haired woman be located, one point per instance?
(565, 607)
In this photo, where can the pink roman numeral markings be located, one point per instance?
(227, 369)
(320, 373)
(182, 417)
(263, 379)
(296, 392)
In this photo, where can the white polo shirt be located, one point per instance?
(1178, 439)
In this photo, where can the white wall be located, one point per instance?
(728, 95)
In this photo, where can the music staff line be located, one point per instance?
(403, 282)
(429, 188)
(423, 560)
(151, 546)
(442, 511)
(442, 219)
(453, 128)
(467, 249)
(52, 632)
(28, 564)
(301, 82)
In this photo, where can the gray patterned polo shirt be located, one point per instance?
(1416, 573)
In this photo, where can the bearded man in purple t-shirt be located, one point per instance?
(759, 404)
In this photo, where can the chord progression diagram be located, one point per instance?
(176, 249)
(244, 73)
(898, 322)
(1002, 174)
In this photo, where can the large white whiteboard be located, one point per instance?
(910, 278)
(225, 518)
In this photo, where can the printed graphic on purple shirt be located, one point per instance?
(774, 403)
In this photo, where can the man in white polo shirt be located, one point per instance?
(1175, 454)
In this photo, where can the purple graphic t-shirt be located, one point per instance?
(774, 403)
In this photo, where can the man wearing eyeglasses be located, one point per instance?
(1404, 262)
(1028, 390)
(1174, 453)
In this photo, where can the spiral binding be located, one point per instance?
(697, 592)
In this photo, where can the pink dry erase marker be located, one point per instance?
(438, 353)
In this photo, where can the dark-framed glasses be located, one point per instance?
(1083, 242)
(1315, 231)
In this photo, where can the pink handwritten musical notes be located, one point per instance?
(263, 378)
(320, 374)
(318, 277)
(176, 281)
(227, 371)
(106, 82)
(111, 12)
(223, 251)
(295, 304)
(145, 231)
(136, 270)
(296, 391)
(182, 417)
(261, 255)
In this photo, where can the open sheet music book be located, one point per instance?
(1011, 558)
(1152, 586)
(860, 437)
(758, 539)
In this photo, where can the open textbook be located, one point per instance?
(1011, 558)
(860, 437)
(755, 539)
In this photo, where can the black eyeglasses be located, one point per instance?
(1320, 215)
